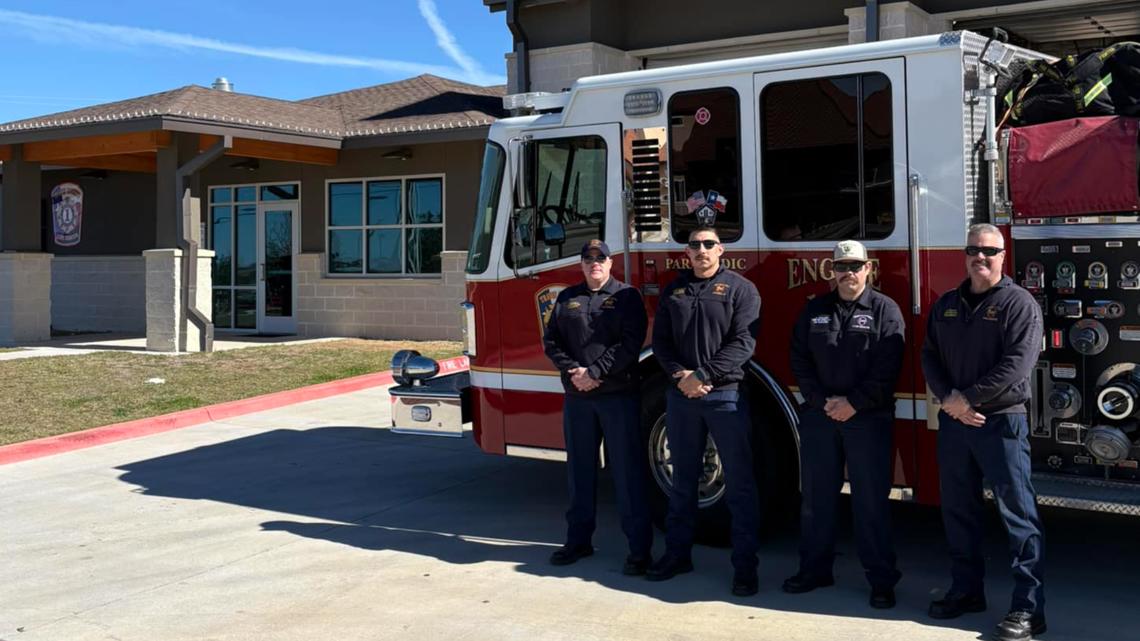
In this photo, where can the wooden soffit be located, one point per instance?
(69, 150)
(266, 150)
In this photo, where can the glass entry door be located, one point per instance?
(253, 232)
(276, 251)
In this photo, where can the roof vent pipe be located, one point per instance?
(221, 84)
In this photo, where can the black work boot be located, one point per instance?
(1020, 625)
(568, 554)
(954, 605)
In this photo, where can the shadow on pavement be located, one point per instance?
(375, 490)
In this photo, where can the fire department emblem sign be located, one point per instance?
(67, 214)
(544, 303)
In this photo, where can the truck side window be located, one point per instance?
(704, 162)
(827, 171)
(570, 191)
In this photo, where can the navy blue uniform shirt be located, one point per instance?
(602, 331)
(987, 352)
(707, 325)
(853, 349)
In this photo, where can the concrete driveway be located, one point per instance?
(312, 522)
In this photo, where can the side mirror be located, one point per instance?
(554, 234)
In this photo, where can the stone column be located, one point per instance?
(164, 296)
(25, 297)
(896, 20)
(556, 68)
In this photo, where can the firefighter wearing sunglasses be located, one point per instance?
(703, 335)
(982, 342)
(847, 351)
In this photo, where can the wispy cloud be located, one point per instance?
(48, 28)
(446, 41)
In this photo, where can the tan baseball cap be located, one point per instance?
(849, 250)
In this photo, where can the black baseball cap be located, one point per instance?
(602, 248)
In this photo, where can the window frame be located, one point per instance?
(206, 231)
(364, 227)
(762, 164)
(739, 162)
(508, 249)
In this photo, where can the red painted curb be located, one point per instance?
(38, 448)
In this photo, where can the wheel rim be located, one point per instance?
(711, 486)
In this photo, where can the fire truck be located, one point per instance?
(897, 144)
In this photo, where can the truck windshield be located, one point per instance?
(491, 182)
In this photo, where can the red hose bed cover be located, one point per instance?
(1073, 167)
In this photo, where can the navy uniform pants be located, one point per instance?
(688, 422)
(585, 421)
(864, 443)
(998, 451)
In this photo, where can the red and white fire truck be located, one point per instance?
(893, 143)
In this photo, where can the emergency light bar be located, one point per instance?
(536, 100)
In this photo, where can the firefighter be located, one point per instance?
(703, 334)
(981, 344)
(594, 338)
(847, 350)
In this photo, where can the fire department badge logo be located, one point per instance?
(544, 302)
(67, 213)
(720, 289)
(991, 313)
(861, 321)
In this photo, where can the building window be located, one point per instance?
(704, 163)
(827, 167)
(385, 226)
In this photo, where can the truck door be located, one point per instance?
(574, 177)
(832, 157)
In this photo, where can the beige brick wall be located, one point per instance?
(25, 297)
(98, 293)
(556, 68)
(392, 308)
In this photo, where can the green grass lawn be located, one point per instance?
(59, 394)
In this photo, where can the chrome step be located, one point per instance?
(1084, 493)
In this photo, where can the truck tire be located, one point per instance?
(775, 478)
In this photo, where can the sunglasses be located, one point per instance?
(989, 252)
(595, 259)
(847, 267)
(708, 244)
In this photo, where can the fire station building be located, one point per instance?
(340, 215)
(557, 41)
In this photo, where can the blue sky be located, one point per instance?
(59, 55)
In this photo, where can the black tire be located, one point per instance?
(775, 469)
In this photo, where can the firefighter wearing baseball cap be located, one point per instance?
(594, 338)
(703, 335)
(847, 350)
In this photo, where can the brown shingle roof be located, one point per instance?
(422, 103)
(198, 103)
(417, 104)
